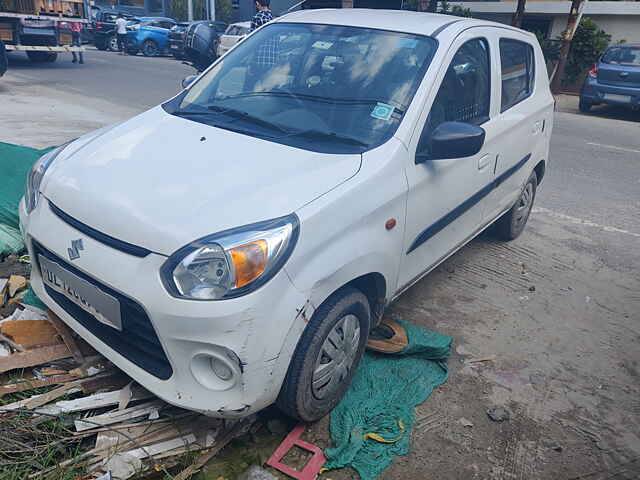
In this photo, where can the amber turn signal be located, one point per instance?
(249, 261)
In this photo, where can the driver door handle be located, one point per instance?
(485, 160)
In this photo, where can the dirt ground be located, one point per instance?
(565, 331)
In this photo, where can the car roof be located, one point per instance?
(147, 19)
(393, 20)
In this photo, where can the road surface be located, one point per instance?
(559, 307)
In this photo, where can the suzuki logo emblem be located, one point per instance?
(74, 251)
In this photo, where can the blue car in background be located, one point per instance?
(149, 35)
(614, 80)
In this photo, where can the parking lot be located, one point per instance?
(558, 309)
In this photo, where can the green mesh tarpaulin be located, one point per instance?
(373, 422)
(15, 163)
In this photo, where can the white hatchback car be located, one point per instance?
(232, 35)
(234, 246)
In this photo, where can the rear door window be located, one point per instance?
(516, 60)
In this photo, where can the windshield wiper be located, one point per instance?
(312, 133)
(304, 96)
(241, 115)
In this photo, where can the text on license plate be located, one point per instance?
(617, 98)
(104, 307)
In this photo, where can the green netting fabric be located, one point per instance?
(372, 424)
(10, 240)
(15, 163)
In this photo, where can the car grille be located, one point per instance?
(137, 341)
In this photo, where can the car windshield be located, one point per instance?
(623, 56)
(324, 88)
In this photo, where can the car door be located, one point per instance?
(524, 121)
(445, 204)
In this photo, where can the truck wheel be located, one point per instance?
(511, 224)
(42, 57)
(150, 48)
(327, 356)
(112, 44)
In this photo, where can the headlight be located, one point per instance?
(34, 179)
(231, 263)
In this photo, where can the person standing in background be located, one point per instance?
(121, 32)
(263, 16)
(76, 40)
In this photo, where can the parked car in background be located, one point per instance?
(149, 36)
(232, 35)
(614, 79)
(201, 43)
(176, 39)
(224, 249)
(103, 29)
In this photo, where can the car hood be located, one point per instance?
(159, 181)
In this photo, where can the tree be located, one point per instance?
(518, 15)
(566, 37)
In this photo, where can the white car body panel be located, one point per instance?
(106, 175)
(161, 182)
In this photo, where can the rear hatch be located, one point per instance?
(620, 67)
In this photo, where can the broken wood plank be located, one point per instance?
(47, 371)
(110, 381)
(30, 384)
(67, 336)
(41, 399)
(118, 416)
(156, 448)
(12, 344)
(90, 366)
(16, 283)
(34, 357)
(30, 333)
(204, 457)
(97, 400)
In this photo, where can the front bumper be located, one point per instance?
(596, 93)
(250, 332)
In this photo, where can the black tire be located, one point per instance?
(101, 45)
(112, 44)
(150, 48)
(584, 105)
(511, 224)
(298, 397)
(42, 57)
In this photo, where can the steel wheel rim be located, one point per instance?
(150, 49)
(524, 205)
(113, 44)
(336, 356)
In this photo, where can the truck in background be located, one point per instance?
(39, 27)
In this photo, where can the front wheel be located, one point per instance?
(150, 48)
(112, 44)
(327, 356)
(511, 224)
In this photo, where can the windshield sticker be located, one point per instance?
(322, 45)
(407, 42)
(382, 111)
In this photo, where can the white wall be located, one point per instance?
(619, 27)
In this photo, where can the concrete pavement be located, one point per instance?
(559, 307)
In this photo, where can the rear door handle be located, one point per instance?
(484, 161)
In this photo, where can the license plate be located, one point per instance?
(104, 307)
(617, 98)
(174, 47)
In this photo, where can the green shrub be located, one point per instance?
(588, 44)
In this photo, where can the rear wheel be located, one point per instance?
(584, 105)
(112, 44)
(511, 224)
(150, 48)
(42, 57)
(327, 356)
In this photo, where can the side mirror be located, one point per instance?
(186, 81)
(450, 140)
